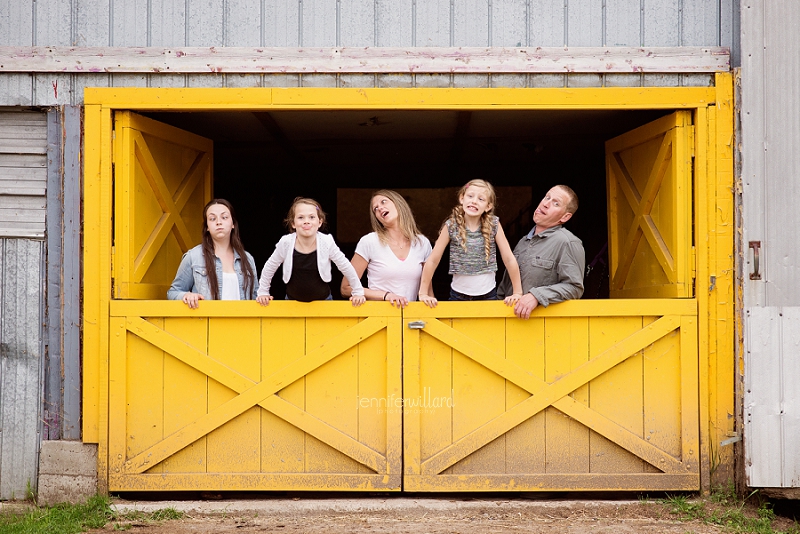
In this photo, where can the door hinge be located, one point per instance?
(113, 146)
(693, 262)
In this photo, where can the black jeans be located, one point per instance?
(491, 295)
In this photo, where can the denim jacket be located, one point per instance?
(192, 277)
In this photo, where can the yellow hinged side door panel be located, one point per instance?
(649, 183)
(162, 180)
(585, 395)
(236, 396)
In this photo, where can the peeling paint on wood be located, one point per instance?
(363, 60)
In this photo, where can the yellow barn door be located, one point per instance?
(649, 175)
(162, 180)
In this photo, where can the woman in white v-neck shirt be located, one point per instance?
(219, 268)
(393, 255)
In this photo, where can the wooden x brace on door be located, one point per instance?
(641, 205)
(250, 394)
(171, 220)
(555, 394)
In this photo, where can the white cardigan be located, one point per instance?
(327, 252)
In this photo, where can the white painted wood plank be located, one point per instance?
(623, 23)
(471, 23)
(700, 20)
(92, 23)
(319, 23)
(168, 23)
(357, 26)
(53, 18)
(585, 24)
(16, 89)
(548, 26)
(242, 23)
(661, 22)
(129, 20)
(16, 26)
(781, 111)
(204, 23)
(433, 25)
(791, 397)
(351, 59)
(754, 170)
(395, 24)
(509, 23)
(243, 27)
(282, 23)
(762, 399)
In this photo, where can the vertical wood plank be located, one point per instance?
(357, 22)
(479, 395)
(471, 23)
(616, 394)
(664, 379)
(690, 417)
(436, 380)
(372, 365)
(526, 443)
(331, 394)
(185, 394)
(394, 24)
(235, 447)
(567, 441)
(144, 408)
(412, 418)
(115, 453)
(282, 445)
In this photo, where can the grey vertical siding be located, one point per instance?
(328, 23)
(770, 107)
(20, 364)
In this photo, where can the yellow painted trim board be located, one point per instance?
(338, 98)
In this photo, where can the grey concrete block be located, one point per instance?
(54, 489)
(69, 458)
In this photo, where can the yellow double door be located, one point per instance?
(323, 396)
(587, 395)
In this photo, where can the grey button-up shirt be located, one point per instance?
(551, 264)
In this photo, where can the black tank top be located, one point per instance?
(306, 284)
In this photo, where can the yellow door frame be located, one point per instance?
(713, 199)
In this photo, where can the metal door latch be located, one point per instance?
(416, 325)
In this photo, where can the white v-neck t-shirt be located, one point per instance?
(230, 286)
(386, 272)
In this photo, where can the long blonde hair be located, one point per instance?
(405, 218)
(487, 217)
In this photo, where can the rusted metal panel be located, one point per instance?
(21, 315)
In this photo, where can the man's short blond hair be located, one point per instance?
(572, 204)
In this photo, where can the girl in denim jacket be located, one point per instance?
(219, 268)
(306, 255)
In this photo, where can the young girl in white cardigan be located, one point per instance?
(306, 255)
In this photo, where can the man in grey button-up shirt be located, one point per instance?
(551, 259)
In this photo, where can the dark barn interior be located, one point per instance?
(263, 160)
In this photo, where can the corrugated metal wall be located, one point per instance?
(770, 107)
(23, 173)
(21, 317)
(325, 23)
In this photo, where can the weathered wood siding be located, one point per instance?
(23, 173)
(770, 106)
(355, 23)
(21, 310)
